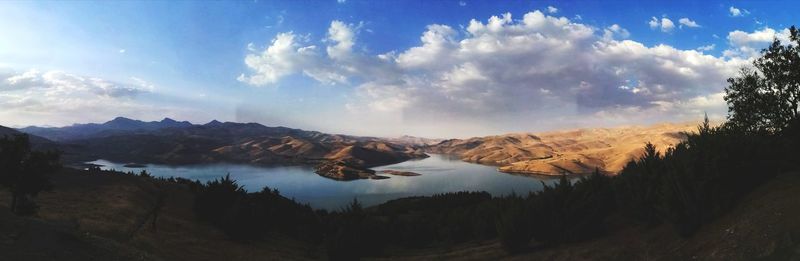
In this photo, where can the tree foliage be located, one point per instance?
(25, 172)
(765, 98)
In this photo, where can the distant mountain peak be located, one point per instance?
(213, 122)
(168, 120)
(121, 119)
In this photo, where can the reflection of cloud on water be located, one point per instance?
(419, 169)
(394, 184)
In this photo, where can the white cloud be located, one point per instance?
(436, 42)
(615, 30)
(501, 67)
(283, 57)
(59, 98)
(746, 45)
(706, 48)
(654, 23)
(535, 70)
(55, 82)
(342, 36)
(665, 24)
(121, 50)
(688, 22)
(462, 3)
(341, 1)
(551, 9)
(737, 12)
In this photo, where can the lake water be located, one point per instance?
(440, 174)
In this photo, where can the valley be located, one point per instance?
(345, 157)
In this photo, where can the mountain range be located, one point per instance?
(119, 125)
(564, 152)
(343, 156)
(173, 142)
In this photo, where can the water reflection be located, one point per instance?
(440, 174)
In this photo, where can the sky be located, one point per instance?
(444, 69)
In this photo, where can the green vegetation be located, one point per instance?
(765, 98)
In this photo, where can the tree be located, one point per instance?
(765, 98)
(25, 172)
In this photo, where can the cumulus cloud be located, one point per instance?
(536, 70)
(688, 23)
(342, 37)
(286, 55)
(541, 62)
(289, 53)
(746, 45)
(665, 24)
(737, 12)
(615, 30)
(551, 9)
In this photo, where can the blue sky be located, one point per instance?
(363, 67)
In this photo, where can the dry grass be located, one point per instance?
(113, 211)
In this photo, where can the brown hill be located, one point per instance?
(235, 142)
(570, 152)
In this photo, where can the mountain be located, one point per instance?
(571, 152)
(172, 142)
(90, 130)
(37, 143)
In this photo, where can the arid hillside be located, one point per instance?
(172, 142)
(571, 152)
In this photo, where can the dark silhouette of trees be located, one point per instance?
(514, 226)
(765, 98)
(25, 172)
(251, 216)
(701, 178)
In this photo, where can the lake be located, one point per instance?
(440, 174)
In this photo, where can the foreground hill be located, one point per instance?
(570, 152)
(106, 216)
(763, 226)
(37, 142)
(99, 216)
